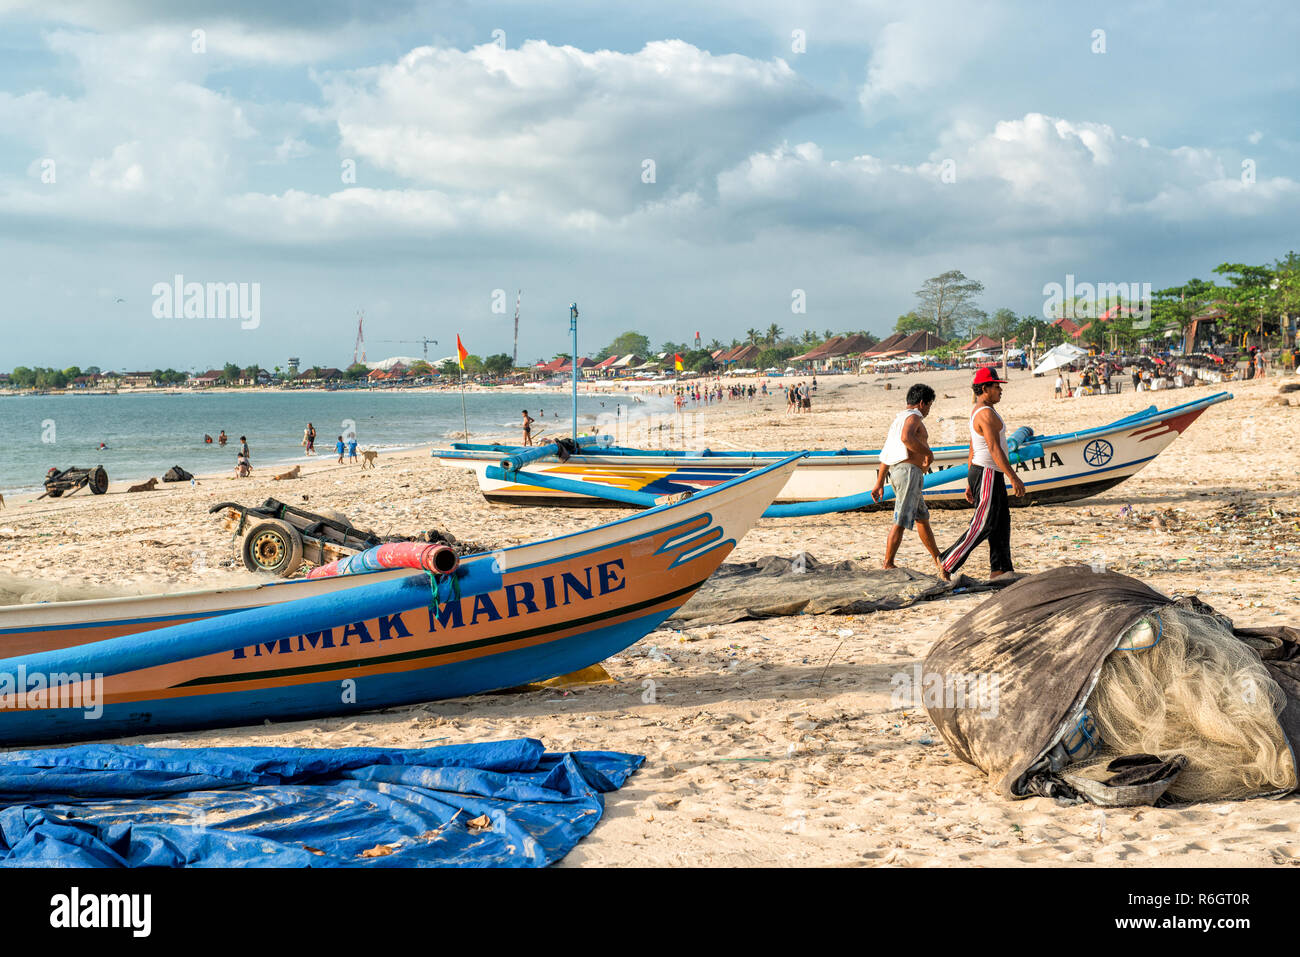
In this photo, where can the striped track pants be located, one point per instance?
(992, 520)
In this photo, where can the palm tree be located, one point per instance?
(827, 334)
(752, 335)
(809, 337)
(773, 333)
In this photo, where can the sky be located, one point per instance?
(673, 168)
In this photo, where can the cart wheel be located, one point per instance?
(54, 492)
(98, 480)
(272, 546)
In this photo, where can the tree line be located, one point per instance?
(1256, 301)
(777, 347)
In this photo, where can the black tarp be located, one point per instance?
(775, 585)
(1041, 642)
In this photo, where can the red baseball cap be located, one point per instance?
(986, 375)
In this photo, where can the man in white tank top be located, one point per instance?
(906, 456)
(990, 467)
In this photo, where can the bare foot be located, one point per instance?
(889, 566)
(998, 575)
(943, 572)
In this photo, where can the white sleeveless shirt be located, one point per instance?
(980, 447)
(894, 451)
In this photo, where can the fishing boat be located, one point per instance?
(1071, 466)
(342, 643)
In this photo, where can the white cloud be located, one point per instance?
(561, 125)
(1032, 176)
(928, 47)
(291, 148)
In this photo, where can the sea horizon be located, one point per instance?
(148, 432)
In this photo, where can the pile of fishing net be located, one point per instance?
(1180, 683)
(1105, 690)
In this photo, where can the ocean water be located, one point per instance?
(147, 434)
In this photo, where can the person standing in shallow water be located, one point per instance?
(990, 468)
(528, 427)
(906, 457)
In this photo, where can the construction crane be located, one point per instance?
(360, 344)
(425, 341)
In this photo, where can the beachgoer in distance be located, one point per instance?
(340, 448)
(990, 467)
(311, 439)
(243, 468)
(906, 457)
(243, 448)
(1060, 384)
(352, 450)
(305, 443)
(528, 427)
(221, 439)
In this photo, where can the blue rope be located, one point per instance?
(1088, 737)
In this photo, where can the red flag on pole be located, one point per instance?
(461, 353)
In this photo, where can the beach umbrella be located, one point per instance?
(1061, 355)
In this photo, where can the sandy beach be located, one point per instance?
(774, 742)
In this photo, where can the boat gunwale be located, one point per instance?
(620, 454)
(367, 577)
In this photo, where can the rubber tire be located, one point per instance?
(55, 493)
(276, 540)
(98, 480)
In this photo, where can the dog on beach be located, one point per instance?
(144, 486)
(291, 474)
(368, 457)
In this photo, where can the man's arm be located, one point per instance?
(879, 490)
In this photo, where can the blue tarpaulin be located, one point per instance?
(106, 805)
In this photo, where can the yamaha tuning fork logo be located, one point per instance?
(1098, 452)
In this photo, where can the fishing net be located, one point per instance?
(1181, 683)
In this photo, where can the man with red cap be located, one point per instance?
(986, 489)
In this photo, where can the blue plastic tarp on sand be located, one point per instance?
(106, 805)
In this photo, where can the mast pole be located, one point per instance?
(573, 328)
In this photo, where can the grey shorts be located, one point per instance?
(909, 503)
